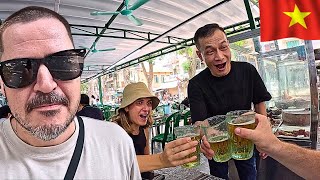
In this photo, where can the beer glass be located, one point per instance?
(217, 135)
(241, 148)
(193, 132)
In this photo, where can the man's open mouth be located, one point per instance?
(221, 66)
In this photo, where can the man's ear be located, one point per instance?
(199, 55)
(126, 109)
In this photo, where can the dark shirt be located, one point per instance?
(140, 142)
(209, 95)
(185, 102)
(92, 112)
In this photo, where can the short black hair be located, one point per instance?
(84, 100)
(205, 31)
(4, 111)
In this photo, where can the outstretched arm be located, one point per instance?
(304, 162)
(260, 108)
(173, 155)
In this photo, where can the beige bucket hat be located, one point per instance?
(134, 91)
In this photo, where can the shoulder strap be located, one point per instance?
(76, 153)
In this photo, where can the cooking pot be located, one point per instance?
(296, 117)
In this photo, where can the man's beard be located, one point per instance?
(51, 131)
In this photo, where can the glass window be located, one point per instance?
(156, 80)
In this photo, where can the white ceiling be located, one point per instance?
(158, 16)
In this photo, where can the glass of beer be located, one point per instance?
(193, 132)
(216, 132)
(241, 148)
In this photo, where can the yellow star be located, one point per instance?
(297, 17)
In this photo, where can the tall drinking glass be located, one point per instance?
(193, 132)
(241, 148)
(217, 135)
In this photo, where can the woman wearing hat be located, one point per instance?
(135, 117)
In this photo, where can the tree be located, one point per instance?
(190, 64)
(115, 81)
(126, 76)
(148, 75)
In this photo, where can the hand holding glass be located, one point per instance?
(241, 148)
(217, 135)
(193, 132)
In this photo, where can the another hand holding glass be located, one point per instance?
(241, 148)
(193, 132)
(216, 132)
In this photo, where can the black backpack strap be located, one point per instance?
(76, 153)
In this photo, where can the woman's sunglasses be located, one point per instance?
(64, 65)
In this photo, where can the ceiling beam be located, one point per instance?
(123, 34)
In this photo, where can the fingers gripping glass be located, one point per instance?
(64, 65)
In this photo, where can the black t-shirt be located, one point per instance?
(92, 112)
(140, 142)
(209, 95)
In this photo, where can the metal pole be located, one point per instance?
(313, 94)
(249, 13)
(100, 90)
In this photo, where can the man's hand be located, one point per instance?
(175, 152)
(262, 135)
(205, 146)
(206, 149)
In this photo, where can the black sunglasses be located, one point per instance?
(64, 65)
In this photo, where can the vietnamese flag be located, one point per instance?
(289, 18)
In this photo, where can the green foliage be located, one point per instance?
(151, 60)
(189, 51)
(186, 51)
(84, 87)
(240, 43)
(186, 65)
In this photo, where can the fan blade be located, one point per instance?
(137, 4)
(85, 48)
(126, 3)
(96, 13)
(109, 49)
(135, 20)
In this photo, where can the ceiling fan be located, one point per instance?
(94, 50)
(126, 12)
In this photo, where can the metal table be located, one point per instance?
(200, 172)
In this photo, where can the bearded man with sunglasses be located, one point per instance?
(41, 72)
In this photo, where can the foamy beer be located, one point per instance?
(241, 148)
(193, 132)
(217, 135)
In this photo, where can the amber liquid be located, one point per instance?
(221, 147)
(241, 148)
(194, 137)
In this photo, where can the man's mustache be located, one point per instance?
(46, 98)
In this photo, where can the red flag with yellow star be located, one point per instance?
(289, 18)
